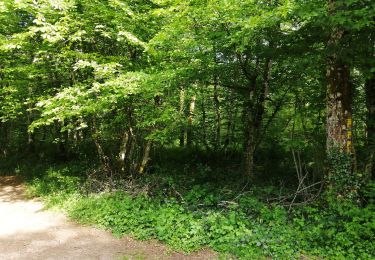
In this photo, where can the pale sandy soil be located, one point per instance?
(28, 231)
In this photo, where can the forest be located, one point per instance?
(243, 126)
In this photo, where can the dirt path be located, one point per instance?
(28, 231)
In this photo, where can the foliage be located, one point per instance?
(216, 75)
(248, 228)
(198, 114)
(345, 184)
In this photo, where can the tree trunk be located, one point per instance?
(255, 108)
(259, 113)
(99, 149)
(145, 158)
(339, 94)
(30, 135)
(229, 133)
(217, 144)
(129, 159)
(189, 133)
(123, 150)
(370, 103)
(249, 152)
(4, 140)
(339, 107)
(204, 128)
(182, 115)
(249, 133)
(341, 179)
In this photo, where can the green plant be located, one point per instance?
(343, 182)
(252, 229)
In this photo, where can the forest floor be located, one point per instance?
(29, 231)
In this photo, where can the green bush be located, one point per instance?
(248, 229)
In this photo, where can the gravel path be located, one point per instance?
(28, 231)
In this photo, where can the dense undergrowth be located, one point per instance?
(190, 213)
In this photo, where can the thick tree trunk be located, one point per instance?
(339, 143)
(339, 93)
(370, 103)
(339, 107)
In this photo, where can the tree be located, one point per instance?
(345, 25)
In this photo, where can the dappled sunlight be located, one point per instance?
(11, 194)
(19, 214)
(11, 189)
(59, 241)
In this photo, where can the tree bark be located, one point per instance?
(4, 140)
(229, 127)
(182, 115)
(145, 158)
(249, 132)
(249, 152)
(217, 144)
(339, 94)
(339, 107)
(341, 179)
(203, 122)
(370, 103)
(255, 113)
(189, 133)
(123, 150)
(30, 135)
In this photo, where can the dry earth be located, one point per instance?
(28, 231)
